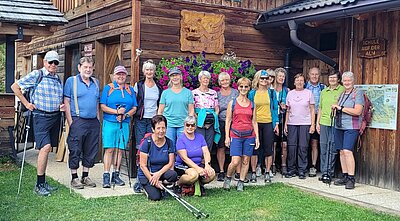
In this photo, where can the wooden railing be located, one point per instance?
(66, 5)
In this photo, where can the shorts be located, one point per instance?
(46, 128)
(315, 135)
(345, 139)
(242, 146)
(112, 136)
(221, 142)
(266, 135)
(180, 169)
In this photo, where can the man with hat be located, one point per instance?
(45, 105)
(81, 99)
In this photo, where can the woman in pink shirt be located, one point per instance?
(298, 126)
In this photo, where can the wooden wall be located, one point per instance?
(7, 112)
(378, 163)
(160, 29)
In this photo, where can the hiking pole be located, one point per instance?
(328, 178)
(125, 151)
(63, 120)
(196, 212)
(27, 127)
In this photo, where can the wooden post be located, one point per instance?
(135, 42)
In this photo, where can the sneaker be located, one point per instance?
(290, 174)
(350, 184)
(116, 179)
(246, 180)
(273, 170)
(284, 170)
(106, 180)
(253, 178)
(77, 184)
(137, 187)
(258, 171)
(41, 190)
(313, 172)
(271, 174)
(221, 177)
(240, 186)
(236, 177)
(341, 182)
(50, 188)
(227, 183)
(202, 190)
(302, 176)
(267, 177)
(88, 182)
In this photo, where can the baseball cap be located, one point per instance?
(174, 70)
(264, 73)
(51, 56)
(120, 69)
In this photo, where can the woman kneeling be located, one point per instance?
(193, 161)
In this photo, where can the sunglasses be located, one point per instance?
(54, 62)
(244, 86)
(190, 125)
(264, 78)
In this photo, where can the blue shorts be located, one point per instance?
(242, 146)
(111, 134)
(46, 128)
(345, 139)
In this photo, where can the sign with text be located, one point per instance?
(88, 49)
(372, 48)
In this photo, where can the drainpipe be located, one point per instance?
(286, 65)
(307, 48)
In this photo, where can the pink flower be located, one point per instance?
(234, 85)
(187, 84)
(172, 62)
(231, 70)
(191, 88)
(161, 81)
(165, 87)
(216, 88)
(165, 77)
(165, 69)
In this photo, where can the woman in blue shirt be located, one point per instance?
(157, 157)
(118, 102)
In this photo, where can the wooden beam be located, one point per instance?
(10, 29)
(88, 7)
(136, 7)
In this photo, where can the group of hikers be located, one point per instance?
(175, 129)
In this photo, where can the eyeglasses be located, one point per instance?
(243, 86)
(190, 125)
(54, 62)
(264, 79)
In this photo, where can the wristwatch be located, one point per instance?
(127, 115)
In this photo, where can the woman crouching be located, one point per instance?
(193, 162)
(157, 157)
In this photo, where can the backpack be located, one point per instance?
(366, 118)
(112, 88)
(147, 138)
(29, 92)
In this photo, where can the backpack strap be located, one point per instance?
(234, 103)
(75, 88)
(112, 88)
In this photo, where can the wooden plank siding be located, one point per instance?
(7, 112)
(378, 162)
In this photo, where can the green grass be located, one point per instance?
(273, 202)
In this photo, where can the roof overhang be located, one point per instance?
(280, 16)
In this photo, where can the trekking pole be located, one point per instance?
(125, 151)
(64, 135)
(196, 212)
(281, 139)
(27, 127)
(328, 178)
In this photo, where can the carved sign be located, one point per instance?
(202, 32)
(88, 50)
(372, 48)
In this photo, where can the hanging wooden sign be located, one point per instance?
(372, 48)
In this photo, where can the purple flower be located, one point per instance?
(203, 53)
(187, 59)
(195, 62)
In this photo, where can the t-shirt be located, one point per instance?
(193, 148)
(207, 99)
(316, 90)
(299, 103)
(242, 119)
(223, 102)
(176, 106)
(349, 121)
(327, 98)
(263, 106)
(158, 157)
(117, 98)
(150, 100)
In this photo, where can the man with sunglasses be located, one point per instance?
(45, 105)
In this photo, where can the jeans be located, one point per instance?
(327, 145)
(142, 127)
(173, 133)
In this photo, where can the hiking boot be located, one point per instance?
(50, 188)
(221, 177)
(258, 171)
(88, 182)
(116, 179)
(137, 187)
(350, 184)
(227, 183)
(267, 177)
(302, 176)
(106, 180)
(77, 184)
(290, 174)
(284, 170)
(236, 177)
(313, 172)
(253, 178)
(341, 182)
(240, 186)
(41, 190)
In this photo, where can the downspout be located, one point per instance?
(307, 48)
(351, 44)
(286, 65)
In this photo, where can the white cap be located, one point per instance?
(51, 56)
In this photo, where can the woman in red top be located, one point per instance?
(242, 136)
